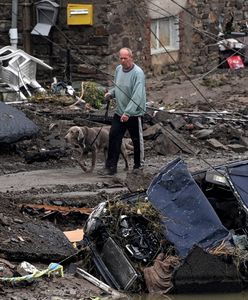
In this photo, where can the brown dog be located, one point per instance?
(85, 139)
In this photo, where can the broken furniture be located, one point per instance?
(18, 70)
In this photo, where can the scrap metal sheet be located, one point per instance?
(188, 217)
(238, 173)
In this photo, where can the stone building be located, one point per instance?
(165, 35)
(194, 28)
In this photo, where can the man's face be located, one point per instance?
(125, 59)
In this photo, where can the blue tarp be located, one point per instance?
(188, 217)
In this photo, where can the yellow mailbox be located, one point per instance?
(79, 14)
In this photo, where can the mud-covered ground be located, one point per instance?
(223, 91)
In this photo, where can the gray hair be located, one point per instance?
(128, 50)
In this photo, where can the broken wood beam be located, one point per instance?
(62, 209)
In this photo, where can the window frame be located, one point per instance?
(174, 35)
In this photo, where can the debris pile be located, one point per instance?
(131, 233)
(194, 132)
(171, 238)
(177, 231)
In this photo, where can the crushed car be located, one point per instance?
(186, 233)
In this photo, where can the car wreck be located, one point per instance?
(187, 233)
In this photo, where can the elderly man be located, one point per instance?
(129, 92)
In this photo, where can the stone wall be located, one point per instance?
(92, 49)
(199, 31)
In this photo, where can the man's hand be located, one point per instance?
(107, 97)
(124, 118)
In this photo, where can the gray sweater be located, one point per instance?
(129, 91)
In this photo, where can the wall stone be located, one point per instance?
(93, 49)
(203, 30)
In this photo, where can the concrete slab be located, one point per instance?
(23, 181)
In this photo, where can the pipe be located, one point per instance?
(26, 21)
(13, 33)
(14, 13)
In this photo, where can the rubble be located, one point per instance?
(178, 127)
(48, 242)
(177, 227)
(196, 274)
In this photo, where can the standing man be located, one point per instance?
(129, 92)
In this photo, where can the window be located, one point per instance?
(164, 34)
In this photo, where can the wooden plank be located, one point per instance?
(178, 140)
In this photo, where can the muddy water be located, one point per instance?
(239, 296)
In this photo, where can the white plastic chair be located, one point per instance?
(20, 70)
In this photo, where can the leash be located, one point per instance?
(105, 118)
(96, 137)
(107, 109)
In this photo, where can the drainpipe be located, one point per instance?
(13, 34)
(26, 21)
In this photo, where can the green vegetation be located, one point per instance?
(93, 95)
